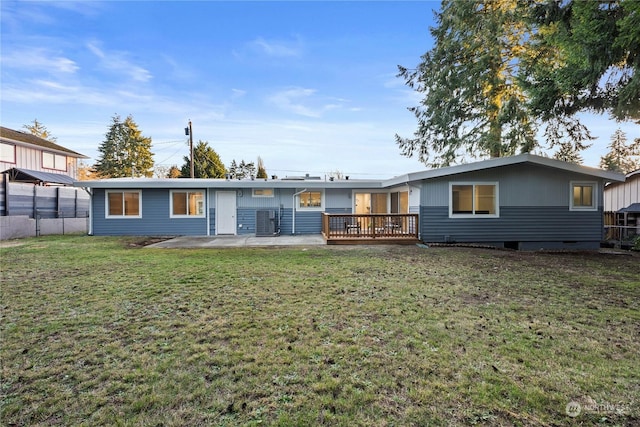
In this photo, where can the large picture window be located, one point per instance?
(54, 161)
(310, 200)
(583, 196)
(7, 153)
(187, 203)
(124, 204)
(473, 200)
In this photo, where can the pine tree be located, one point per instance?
(622, 157)
(174, 172)
(38, 129)
(262, 172)
(124, 152)
(567, 152)
(472, 102)
(587, 58)
(233, 169)
(242, 170)
(206, 163)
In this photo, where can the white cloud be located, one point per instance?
(237, 93)
(38, 59)
(118, 62)
(292, 100)
(278, 48)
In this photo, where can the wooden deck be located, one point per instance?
(353, 229)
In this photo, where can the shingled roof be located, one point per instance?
(27, 138)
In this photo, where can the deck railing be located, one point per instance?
(371, 226)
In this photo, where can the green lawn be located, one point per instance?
(100, 331)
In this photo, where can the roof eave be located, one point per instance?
(222, 183)
(506, 161)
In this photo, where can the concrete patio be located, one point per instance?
(240, 241)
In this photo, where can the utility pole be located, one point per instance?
(189, 131)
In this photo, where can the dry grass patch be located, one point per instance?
(98, 332)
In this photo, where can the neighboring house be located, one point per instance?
(622, 202)
(36, 187)
(619, 195)
(28, 158)
(521, 202)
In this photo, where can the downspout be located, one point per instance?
(410, 188)
(90, 228)
(293, 210)
(207, 202)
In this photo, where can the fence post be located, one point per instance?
(35, 202)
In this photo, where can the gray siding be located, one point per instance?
(155, 220)
(245, 199)
(212, 220)
(521, 185)
(516, 224)
(338, 199)
(308, 222)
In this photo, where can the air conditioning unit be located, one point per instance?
(265, 223)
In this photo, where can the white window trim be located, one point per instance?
(204, 207)
(593, 185)
(313, 208)
(106, 204)
(272, 195)
(55, 167)
(474, 183)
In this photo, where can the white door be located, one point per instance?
(226, 212)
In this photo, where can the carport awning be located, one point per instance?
(28, 175)
(632, 208)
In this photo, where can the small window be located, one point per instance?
(187, 203)
(583, 196)
(263, 192)
(54, 161)
(7, 153)
(310, 199)
(473, 200)
(123, 204)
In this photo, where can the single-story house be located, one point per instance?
(521, 202)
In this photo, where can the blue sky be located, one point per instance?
(309, 87)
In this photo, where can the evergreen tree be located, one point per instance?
(38, 129)
(233, 169)
(500, 71)
(567, 152)
(242, 170)
(124, 152)
(206, 163)
(262, 172)
(174, 172)
(586, 58)
(472, 102)
(622, 157)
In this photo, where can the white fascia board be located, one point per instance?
(504, 161)
(223, 183)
